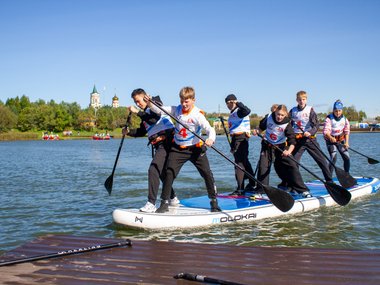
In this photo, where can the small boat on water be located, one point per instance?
(195, 212)
(101, 137)
(50, 137)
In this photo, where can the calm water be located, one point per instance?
(56, 187)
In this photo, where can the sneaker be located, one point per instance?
(306, 194)
(164, 207)
(148, 208)
(174, 202)
(214, 206)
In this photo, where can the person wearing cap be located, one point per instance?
(336, 132)
(240, 130)
(305, 124)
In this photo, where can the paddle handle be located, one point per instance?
(204, 279)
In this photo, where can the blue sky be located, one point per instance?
(262, 51)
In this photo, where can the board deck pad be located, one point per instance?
(228, 202)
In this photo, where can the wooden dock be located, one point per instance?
(152, 262)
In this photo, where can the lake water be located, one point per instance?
(56, 187)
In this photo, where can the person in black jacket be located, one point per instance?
(279, 132)
(240, 132)
(160, 132)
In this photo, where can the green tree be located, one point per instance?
(353, 115)
(8, 119)
(104, 118)
(27, 119)
(86, 119)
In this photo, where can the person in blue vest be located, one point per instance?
(305, 124)
(336, 132)
(279, 132)
(160, 132)
(240, 132)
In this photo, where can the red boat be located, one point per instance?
(101, 137)
(51, 137)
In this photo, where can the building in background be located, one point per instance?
(95, 99)
(115, 102)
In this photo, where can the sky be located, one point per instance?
(261, 51)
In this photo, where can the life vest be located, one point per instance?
(183, 137)
(238, 125)
(301, 119)
(337, 126)
(162, 124)
(275, 133)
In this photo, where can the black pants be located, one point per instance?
(157, 170)
(312, 147)
(333, 149)
(286, 169)
(177, 158)
(239, 148)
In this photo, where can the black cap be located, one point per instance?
(230, 97)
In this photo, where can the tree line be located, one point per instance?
(21, 114)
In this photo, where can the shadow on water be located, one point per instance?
(57, 187)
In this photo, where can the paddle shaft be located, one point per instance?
(340, 195)
(370, 160)
(204, 279)
(319, 149)
(109, 181)
(249, 175)
(292, 158)
(345, 179)
(225, 130)
(118, 154)
(127, 242)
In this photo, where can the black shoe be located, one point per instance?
(237, 193)
(258, 190)
(215, 206)
(283, 185)
(164, 207)
(249, 187)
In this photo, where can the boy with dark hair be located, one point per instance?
(160, 132)
(240, 132)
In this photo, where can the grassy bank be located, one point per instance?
(15, 135)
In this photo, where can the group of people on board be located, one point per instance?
(175, 135)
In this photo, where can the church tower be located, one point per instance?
(95, 99)
(115, 102)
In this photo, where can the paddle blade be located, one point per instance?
(345, 179)
(108, 184)
(281, 199)
(340, 195)
(372, 161)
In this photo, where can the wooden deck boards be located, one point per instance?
(152, 262)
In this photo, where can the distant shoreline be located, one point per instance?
(33, 136)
